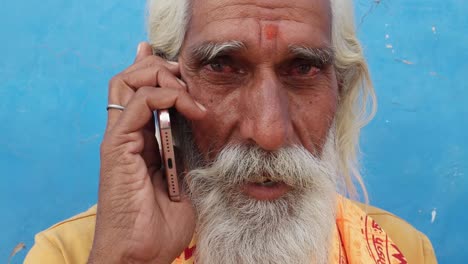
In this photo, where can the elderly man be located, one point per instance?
(268, 98)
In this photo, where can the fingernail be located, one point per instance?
(200, 106)
(173, 62)
(138, 48)
(181, 82)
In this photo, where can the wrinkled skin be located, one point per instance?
(260, 95)
(270, 104)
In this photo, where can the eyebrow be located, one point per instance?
(324, 56)
(209, 50)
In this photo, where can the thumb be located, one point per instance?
(144, 50)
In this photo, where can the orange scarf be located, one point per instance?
(358, 239)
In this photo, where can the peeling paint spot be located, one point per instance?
(374, 4)
(433, 215)
(389, 46)
(15, 251)
(434, 30)
(405, 61)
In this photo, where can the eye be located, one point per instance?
(221, 65)
(303, 68)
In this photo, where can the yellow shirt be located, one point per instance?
(391, 240)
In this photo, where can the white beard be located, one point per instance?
(296, 228)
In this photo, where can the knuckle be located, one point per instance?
(165, 73)
(114, 81)
(144, 92)
(153, 62)
(129, 79)
(170, 80)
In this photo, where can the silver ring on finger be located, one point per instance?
(115, 106)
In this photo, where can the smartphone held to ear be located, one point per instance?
(167, 154)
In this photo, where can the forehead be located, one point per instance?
(298, 21)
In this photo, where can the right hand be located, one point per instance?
(136, 222)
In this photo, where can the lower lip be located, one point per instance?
(263, 193)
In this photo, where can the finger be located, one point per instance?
(156, 76)
(119, 94)
(143, 50)
(150, 153)
(151, 61)
(147, 99)
(123, 86)
(112, 117)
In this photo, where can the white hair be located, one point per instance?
(295, 228)
(167, 23)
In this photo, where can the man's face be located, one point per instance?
(264, 70)
(273, 83)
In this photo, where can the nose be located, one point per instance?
(265, 114)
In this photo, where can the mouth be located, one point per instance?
(266, 183)
(265, 189)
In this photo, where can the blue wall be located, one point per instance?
(57, 57)
(416, 149)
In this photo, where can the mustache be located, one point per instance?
(239, 164)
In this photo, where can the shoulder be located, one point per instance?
(69, 241)
(414, 245)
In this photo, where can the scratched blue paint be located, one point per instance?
(57, 57)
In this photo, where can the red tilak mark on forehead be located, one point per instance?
(271, 31)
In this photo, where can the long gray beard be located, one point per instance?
(233, 228)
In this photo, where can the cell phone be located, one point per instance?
(167, 154)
